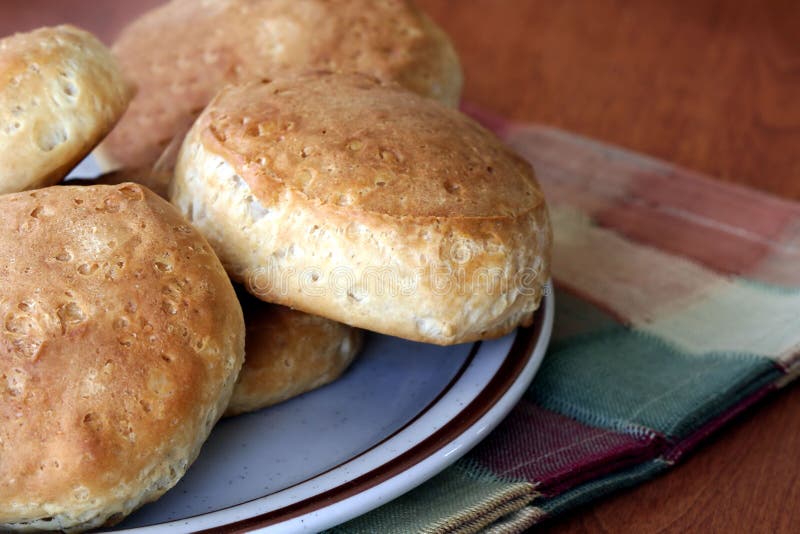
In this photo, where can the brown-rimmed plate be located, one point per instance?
(403, 412)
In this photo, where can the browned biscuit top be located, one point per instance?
(352, 141)
(120, 340)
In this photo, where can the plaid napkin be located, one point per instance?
(677, 307)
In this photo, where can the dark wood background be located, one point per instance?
(712, 85)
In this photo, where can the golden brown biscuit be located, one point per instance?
(182, 53)
(346, 197)
(60, 93)
(288, 353)
(120, 342)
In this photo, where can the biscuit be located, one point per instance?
(61, 92)
(288, 353)
(182, 53)
(356, 200)
(121, 339)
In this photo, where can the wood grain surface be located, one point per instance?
(711, 85)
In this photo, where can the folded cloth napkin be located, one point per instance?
(677, 307)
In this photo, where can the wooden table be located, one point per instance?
(713, 86)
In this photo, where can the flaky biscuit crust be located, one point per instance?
(120, 342)
(309, 188)
(61, 92)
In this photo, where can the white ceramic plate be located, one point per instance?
(401, 414)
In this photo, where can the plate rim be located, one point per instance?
(460, 434)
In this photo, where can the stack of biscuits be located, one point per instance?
(280, 174)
